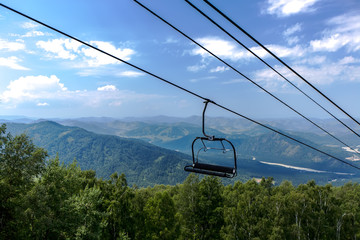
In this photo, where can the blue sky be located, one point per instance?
(44, 74)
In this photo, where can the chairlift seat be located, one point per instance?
(209, 169)
(212, 169)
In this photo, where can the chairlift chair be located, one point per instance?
(206, 168)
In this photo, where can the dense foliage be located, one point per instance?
(50, 200)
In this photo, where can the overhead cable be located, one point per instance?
(99, 50)
(181, 88)
(285, 135)
(249, 79)
(268, 65)
(282, 62)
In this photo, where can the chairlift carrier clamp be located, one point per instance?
(211, 169)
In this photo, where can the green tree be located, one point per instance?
(46, 212)
(200, 207)
(117, 204)
(248, 211)
(160, 218)
(210, 217)
(137, 213)
(348, 215)
(140, 206)
(187, 202)
(20, 163)
(278, 211)
(84, 214)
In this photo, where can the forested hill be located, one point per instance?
(57, 201)
(143, 163)
(259, 154)
(254, 144)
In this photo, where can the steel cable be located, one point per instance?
(287, 66)
(249, 79)
(181, 88)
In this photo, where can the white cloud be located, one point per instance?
(293, 29)
(219, 47)
(108, 71)
(71, 49)
(284, 8)
(116, 103)
(271, 80)
(42, 89)
(330, 43)
(130, 74)
(323, 74)
(96, 58)
(280, 51)
(28, 25)
(289, 33)
(196, 68)
(43, 104)
(11, 46)
(62, 48)
(229, 50)
(12, 62)
(219, 69)
(32, 87)
(349, 60)
(171, 40)
(346, 23)
(292, 40)
(91, 72)
(329, 73)
(34, 33)
(344, 31)
(315, 60)
(107, 88)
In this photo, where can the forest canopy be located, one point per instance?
(43, 198)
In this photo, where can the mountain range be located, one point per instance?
(154, 150)
(144, 164)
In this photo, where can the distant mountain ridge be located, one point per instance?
(143, 163)
(251, 141)
(220, 123)
(110, 145)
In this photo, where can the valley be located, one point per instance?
(154, 150)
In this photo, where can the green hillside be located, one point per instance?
(143, 163)
(50, 200)
(251, 141)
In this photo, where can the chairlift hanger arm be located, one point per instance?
(203, 119)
